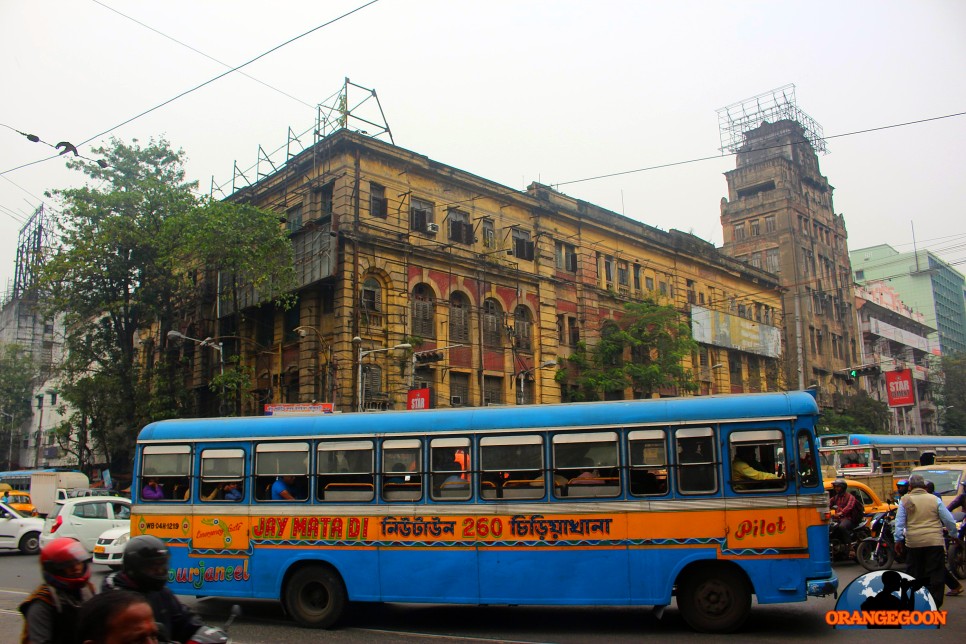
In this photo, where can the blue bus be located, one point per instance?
(874, 454)
(623, 503)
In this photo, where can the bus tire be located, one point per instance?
(315, 597)
(714, 598)
(30, 543)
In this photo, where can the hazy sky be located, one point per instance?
(513, 91)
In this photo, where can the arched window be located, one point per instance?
(492, 324)
(424, 325)
(459, 318)
(523, 328)
(371, 302)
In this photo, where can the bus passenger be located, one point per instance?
(743, 466)
(232, 492)
(457, 474)
(281, 489)
(152, 491)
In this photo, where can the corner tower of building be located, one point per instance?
(779, 216)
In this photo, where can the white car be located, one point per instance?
(18, 531)
(109, 549)
(86, 518)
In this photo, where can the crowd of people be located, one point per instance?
(134, 606)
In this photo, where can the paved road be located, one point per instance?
(263, 621)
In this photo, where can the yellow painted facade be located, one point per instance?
(394, 248)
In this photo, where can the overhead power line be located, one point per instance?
(205, 83)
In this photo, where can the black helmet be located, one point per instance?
(840, 483)
(146, 562)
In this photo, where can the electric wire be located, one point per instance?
(205, 83)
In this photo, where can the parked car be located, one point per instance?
(86, 518)
(870, 500)
(109, 550)
(18, 531)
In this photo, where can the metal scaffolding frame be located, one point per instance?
(735, 120)
(353, 107)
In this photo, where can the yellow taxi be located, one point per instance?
(870, 500)
(19, 501)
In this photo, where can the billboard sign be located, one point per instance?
(419, 399)
(900, 389)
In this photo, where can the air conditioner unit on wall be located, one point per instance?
(456, 400)
(432, 228)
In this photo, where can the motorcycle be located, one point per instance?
(211, 635)
(956, 548)
(840, 551)
(878, 552)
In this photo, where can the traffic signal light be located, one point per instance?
(428, 356)
(864, 370)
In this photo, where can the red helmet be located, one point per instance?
(59, 560)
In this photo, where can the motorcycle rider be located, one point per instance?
(958, 502)
(145, 571)
(50, 612)
(848, 511)
(902, 488)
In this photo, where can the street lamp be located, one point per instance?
(526, 372)
(362, 354)
(330, 365)
(207, 342)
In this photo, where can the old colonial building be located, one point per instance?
(490, 287)
(779, 216)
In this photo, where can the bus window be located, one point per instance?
(345, 471)
(166, 473)
(588, 462)
(647, 453)
(858, 458)
(807, 472)
(511, 467)
(282, 471)
(697, 473)
(757, 460)
(402, 470)
(449, 461)
(222, 474)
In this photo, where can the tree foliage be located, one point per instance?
(18, 374)
(952, 394)
(134, 246)
(643, 351)
(861, 414)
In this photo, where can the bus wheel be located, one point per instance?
(30, 543)
(315, 597)
(714, 599)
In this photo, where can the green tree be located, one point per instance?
(861, 414)
(643, 351)
(135, 252)
(18, 373)
(951, 395)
